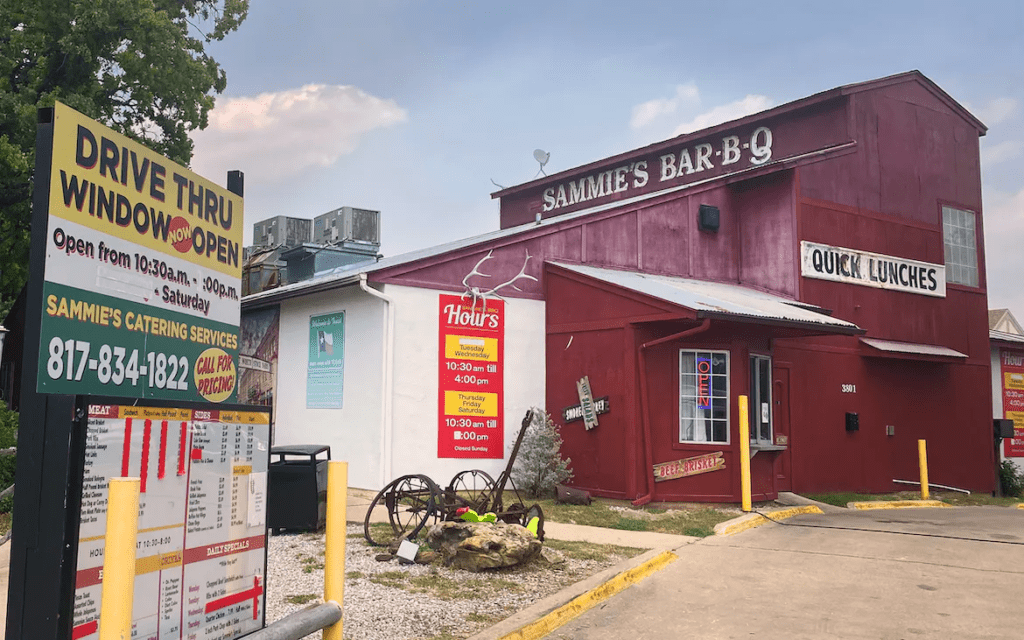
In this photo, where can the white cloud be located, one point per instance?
(996, 111)
(647, 112)
(1001, 152)
(274, 136)
(726, 112)
(1004, 228)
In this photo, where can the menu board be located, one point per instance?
(471, 388)
(1012, 369)
(200, 558)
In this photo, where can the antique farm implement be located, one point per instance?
(415, 501)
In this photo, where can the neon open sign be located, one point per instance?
(703, 383)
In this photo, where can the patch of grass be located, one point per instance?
(630, 524)
(479, 617)
(5, 523)
(974, 499)
(699, 531)
(840, 499)
(393, 579)
(590, 551)
(309, 563)
(459, 588)
(303, 599)
(382, 532)
(699, 521)
(354, 575)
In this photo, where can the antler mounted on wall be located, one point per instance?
(479, 294)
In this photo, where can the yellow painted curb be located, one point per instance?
(896, 504)
(1020, 505)
(588, 600)
(759, 520)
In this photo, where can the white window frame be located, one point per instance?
(728, 398)
(960, 245)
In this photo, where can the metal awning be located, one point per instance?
(1002, 336)
(720, 300)
(910, 349)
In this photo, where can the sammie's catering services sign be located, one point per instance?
(143, 272)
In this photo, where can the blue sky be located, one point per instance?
(413, 108)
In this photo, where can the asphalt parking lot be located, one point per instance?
(887, 574)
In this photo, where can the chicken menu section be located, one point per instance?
(201, 553)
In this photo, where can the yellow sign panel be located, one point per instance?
(470, 403)
(1014, 380)
(108, 182)
(1017, 417)
(470, 348)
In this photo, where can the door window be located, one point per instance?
(760, 400)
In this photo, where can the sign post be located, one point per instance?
(133, 295)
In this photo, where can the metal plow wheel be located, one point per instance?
(411, 502)
(471, 488)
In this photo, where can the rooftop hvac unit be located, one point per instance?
(362, 225)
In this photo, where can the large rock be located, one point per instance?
(475, 546)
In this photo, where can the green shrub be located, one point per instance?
(8, 438)
(1011, 479)
(8, 427)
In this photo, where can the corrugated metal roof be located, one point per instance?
(892, 346)
(715, 299)
(1002, 336)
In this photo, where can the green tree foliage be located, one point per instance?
(8, 438)
(1011, 479)
(539, 465)
(138, 66)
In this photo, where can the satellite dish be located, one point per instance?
(542, 157)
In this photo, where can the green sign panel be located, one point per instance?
(325, 374)
(98, 345)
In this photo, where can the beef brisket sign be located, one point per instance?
(689, 466)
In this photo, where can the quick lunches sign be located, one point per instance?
(872, 269)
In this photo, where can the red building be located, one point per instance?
(862, 203)
(824, 258)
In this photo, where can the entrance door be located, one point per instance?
(780, 396)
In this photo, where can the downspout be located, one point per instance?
(387, 380)
(645, 417)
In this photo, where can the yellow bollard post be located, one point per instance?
(922, 461)
(745, 453)
(119, 559)
(334, 555)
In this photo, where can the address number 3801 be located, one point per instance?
(71, 360)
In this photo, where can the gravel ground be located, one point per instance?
(389, 601)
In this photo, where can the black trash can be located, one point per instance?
(297, 491)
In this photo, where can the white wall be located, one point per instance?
(354, 431)
(997, 401)
(416, 381)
